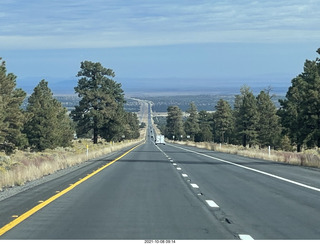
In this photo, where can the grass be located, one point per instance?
(27, 166)
(24, 166)
(308, 158)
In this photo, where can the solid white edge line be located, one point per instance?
(255, 170)
(212, 204)
(245, 237)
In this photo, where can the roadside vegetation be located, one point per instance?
(38, 138)
(307, 158)
(23, 166)
(254, 124)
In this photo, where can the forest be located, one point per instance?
(255, 120)
(41, 121)
(44, 123)
(205, 102)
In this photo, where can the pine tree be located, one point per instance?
(3, 125)
(174, 126)
(300, 111)
(247, 117)
(132, 126)
(269, 128)
(48, 125)
(100, 109)
(205, 127)
(12, 117)
(191, 125)
(223, 120)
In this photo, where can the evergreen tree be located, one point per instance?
(300, 111)
(174, 127)
(48, 125)
(205, 127)
(100, 109)
(132, 126)
(12, 117)
(247, 117)
(3, 125)
(191, 125)
(269, 128)
(223, 120)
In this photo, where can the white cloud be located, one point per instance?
(98, 23)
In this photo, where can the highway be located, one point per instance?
(169, 192)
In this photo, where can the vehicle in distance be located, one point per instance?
(160, 139)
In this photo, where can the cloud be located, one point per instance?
(99, 23)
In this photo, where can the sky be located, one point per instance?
(194, 45)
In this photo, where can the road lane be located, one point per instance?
(263, 206)
(141, 196)
(30, 196)
(166, 192)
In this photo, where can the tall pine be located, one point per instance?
(191, 125)
(100, 110)
(48, 125)
(300, 110)
(174, 126)
(223, 121)
(269, 128)
(12, 117)
(246, 117)
(205, 127)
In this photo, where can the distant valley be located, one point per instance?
(167, 86)
(164, 92)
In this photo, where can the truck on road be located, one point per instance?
(160, 140)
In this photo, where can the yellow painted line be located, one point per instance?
(27, 214)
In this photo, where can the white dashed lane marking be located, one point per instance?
(212, 204)
(254, 170)
(194, 185)
(245, 237)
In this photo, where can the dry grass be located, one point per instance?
(27, 166)
(309, 158)
(22, 166)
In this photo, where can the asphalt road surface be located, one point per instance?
(170, 192)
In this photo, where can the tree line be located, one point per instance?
(255, 120)
(45, 123)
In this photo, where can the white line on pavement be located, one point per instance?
(212, 204)
(194, 185)
(245, 237)
(255, 170)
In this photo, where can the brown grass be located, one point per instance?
(309, 158)
(23, 166)
(27, 166)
